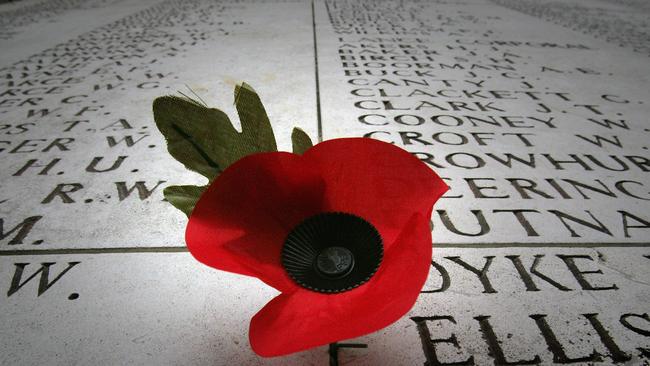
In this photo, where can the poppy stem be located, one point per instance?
(334, 350)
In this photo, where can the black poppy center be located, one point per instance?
(332, 252)
(335, 262)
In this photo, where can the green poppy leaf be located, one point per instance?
(204, 139)
(192, 132)
(257, 133)
(300, 141)
(183, 198)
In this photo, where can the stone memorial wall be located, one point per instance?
(534, 112)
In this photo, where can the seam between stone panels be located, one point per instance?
(318, 111)
(183, 249)
(544, 245)
(116, 250)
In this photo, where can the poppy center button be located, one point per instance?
(335, 262)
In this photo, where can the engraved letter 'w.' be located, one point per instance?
(44, 283)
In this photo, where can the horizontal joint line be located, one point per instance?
(183, 249)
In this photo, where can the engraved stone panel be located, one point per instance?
(534, 112)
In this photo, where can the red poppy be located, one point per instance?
(241, 222)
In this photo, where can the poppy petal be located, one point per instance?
(375, 180)
(303, 319)
(241, 221)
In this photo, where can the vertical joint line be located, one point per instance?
(318, 113)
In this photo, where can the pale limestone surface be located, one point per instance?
(133, 295)
(211, 67)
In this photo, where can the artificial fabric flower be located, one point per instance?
(287, 219)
